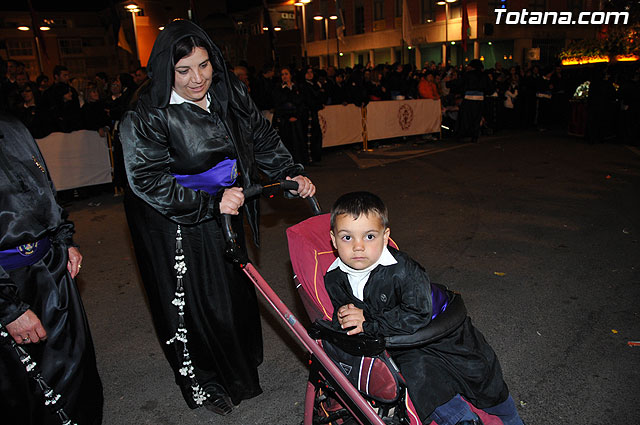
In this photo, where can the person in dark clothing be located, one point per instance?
(122, 89)
(336, 89)
(48, 373)
(314, 99)
(262, 88)
(94, 112)
(475, 85)
(382, 292)
(30, 112)
(64, 113)
(193, 142)
(291, 116)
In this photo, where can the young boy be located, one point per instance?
(380, 291)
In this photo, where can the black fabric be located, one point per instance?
(160, 139)
(221, 313)
(397, 300)
(290, 103)
(66, 359)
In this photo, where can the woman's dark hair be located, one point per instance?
(185, 46)
(358, 203)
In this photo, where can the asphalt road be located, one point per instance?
(539, 233)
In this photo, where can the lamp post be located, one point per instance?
(303, 4)
(445, 3)
(134, 9)
(326, 30)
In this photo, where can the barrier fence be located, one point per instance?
(83, 158)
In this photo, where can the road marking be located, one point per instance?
(362, 161)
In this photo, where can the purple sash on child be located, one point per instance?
(439, 300)
(24, 255)
(222, 175)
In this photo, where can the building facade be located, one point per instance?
(433, 32)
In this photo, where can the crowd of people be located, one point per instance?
(529, 96)
(66, 103)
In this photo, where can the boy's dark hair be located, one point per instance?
(357, 203)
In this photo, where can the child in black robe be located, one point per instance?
(382, 292)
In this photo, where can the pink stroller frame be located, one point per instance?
(311, 254)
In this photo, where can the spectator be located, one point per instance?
(94, 113)
(427, 88)
(43, 83)
(64, 111)
(262, 89)
(140, 76)
(243, 75)
(102, 83)
(30, 113)
(290, 117)
(337, 94)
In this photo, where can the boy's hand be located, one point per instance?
(350, 316)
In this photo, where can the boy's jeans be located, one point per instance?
(457, 410)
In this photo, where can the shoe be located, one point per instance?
(220, 405)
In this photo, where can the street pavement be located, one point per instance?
(539, 233)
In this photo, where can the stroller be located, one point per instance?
(352, 378)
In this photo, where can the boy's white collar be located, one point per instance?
(386, 259)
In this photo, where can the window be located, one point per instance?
(428, 10)
(70, 46)
(455, 11)
(93, 42)
(378, 10)
(359, 18)
(20, 47)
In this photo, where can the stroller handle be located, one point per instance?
(232, 249)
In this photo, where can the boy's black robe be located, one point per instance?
(397, 300)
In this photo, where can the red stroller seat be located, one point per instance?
(311, 254)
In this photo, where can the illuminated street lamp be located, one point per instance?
(303, 4)
(445, 3)
(134, 9)
(326, 29)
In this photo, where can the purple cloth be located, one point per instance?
(439, 300)
(24, 255)
(223, 174)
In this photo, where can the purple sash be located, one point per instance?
(223, 174)
(24, 255)
(439, 300)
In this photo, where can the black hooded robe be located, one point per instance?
(66, 359)
(221, 310)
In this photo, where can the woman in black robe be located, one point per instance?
(195, 120)
(41, 313)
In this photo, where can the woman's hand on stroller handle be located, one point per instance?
(304, 188)
(234, 198)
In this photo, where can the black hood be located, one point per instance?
(160, 66)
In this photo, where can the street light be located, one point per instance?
(303, 4)
(326, 29)
(445, 3)
(133, 8)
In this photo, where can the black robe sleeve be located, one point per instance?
(412, 307)
(144, 133)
